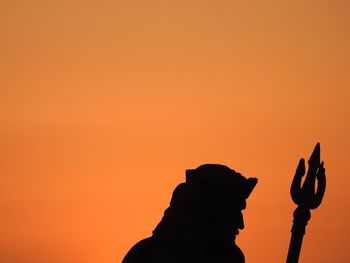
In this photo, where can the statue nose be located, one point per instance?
(240, 223)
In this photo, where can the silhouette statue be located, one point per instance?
(205, 214)
(200, 225)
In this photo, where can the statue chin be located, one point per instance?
(226, 240)
(227, 237)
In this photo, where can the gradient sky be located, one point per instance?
(104, 104)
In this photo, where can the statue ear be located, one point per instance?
(250, 184)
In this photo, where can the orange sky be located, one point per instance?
(104, 104)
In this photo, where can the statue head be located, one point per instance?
(207, 209)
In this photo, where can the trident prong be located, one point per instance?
(305, 195)
(306, 198)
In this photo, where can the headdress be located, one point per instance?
(221, 177)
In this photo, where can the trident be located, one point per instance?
(306, 198)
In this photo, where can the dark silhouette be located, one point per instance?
(306, 198)
(205, 215)
(202, 221)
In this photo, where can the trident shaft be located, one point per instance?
(306, 197)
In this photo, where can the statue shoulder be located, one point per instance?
(141, 252)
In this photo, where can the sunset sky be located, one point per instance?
(105, 104)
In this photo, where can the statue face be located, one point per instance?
(233, 214)
(237, 220)
(234, 222)
(229, 223)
